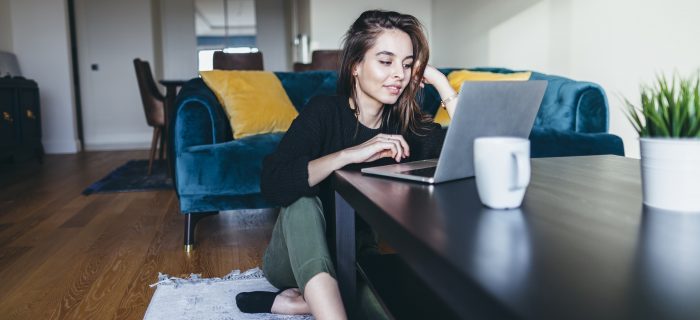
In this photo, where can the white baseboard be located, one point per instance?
(61, 146)
(117, 146)
(135, 141)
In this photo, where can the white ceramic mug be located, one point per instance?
(502, 169)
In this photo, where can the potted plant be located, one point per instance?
(668, 123)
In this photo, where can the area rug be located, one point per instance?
(132, 176)
(208, 298)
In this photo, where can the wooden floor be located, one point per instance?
(68, 256)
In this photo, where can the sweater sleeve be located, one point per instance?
(285, 173)
(435, 140)
(427, 146)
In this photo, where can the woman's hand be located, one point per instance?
(433, 76)
(381, 146)
(442, 85)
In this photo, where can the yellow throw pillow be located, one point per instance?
(255, 101)
(456, 78)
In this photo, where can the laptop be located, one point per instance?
(493, 108)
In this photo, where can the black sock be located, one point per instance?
(256, 301)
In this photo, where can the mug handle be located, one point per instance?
(522, 170)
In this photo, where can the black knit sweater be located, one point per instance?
(324, 126)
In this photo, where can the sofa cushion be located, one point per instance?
(456, 78)
(568, 105)
(302, 86)
(255, 101)
(229, 168)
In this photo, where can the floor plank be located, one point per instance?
(68, 256)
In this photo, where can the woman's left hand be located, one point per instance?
(432, 76)
(442, 85)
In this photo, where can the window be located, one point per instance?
(227, 25)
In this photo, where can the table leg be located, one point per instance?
(345, 253)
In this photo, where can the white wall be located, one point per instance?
(178, 39)
(461, 29)
(5, 26)
(617, 44)
(272, 36)
(330, 19)
(37, 31)
(41, 41)
(622, 44)
(111, 34)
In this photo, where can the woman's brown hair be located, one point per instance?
(360, 38)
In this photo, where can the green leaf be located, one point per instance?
(632, 115)
(668, 109)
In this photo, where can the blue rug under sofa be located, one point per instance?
(131, 177)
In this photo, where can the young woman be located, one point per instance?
(374, 118)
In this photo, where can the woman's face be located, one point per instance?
(385, 70)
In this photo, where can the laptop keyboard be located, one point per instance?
(425, 172)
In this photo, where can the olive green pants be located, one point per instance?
(298, 251)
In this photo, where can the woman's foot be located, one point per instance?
(290, 301)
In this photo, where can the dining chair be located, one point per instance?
(238, 61)
(153, 107)
(321, 60)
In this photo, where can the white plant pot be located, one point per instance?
(671, 173)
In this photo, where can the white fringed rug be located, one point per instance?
(208, 298)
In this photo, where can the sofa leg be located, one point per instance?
(191, 220)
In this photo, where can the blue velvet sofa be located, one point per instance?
(214, 172)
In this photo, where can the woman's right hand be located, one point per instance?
(380, 146)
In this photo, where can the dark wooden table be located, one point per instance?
(582, 246)
(171, 89)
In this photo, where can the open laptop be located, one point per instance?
(494, 108)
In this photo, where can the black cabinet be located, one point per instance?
(20, 121)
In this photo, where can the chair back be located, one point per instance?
(321, 60)
(238, 61)
(325, 60)
(151, 97)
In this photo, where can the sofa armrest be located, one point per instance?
(570, 105)
(199, 118)
(552, 143)
(229, 168)
(592, 110)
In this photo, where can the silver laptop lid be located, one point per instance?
(493, 108)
